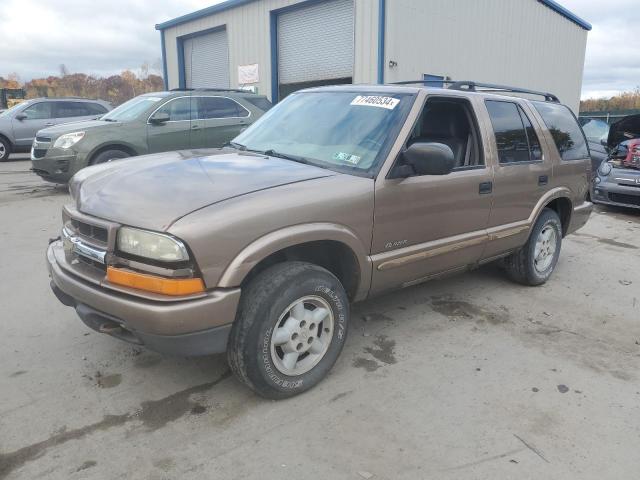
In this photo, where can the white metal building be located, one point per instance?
(278, 46)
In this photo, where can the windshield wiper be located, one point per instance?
(108, 119)
(294, 158)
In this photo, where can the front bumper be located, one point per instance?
(185, 326)
(608, 193)
(57, 166)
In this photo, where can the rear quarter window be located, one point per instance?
(564, 128)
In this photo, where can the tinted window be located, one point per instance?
(95, 108)
(260, 102)
(178, 109)
(70, 109)
(535, 152)
(38, 111)
(595, 130)
(511, 138)
(565, 130)
(218, 107)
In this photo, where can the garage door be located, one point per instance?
(206, 60)
(315, 45)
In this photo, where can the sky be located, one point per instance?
(102, 37)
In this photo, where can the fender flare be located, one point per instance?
(553, 194)
(277, 240)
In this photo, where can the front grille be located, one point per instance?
(623, 198)
(92, 232)
(634, 185)
(92, 263)
(39, 152)
(43, 139)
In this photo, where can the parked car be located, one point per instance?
(597, 132)
(336, 195)
(150, 123)
(19, 124)
(617, 181)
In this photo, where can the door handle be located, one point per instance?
(543, 180)
(485, 187)
(195, 127)
(49, 124)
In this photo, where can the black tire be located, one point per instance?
(5, 149)
(521, 266)
(263, 301)
(108, 155)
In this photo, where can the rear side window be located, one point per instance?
(564, 129)
(95, 108)
(260, 102)
(219, 107)
(515, 137)
(70, 109)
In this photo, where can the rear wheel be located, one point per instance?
(290, 329)
(5, 149)
(536, 261)
(108, 155)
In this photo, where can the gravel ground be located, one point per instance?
(470, 377)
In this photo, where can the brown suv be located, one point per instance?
(335, 195)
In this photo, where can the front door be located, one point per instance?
(39, 115)
(174, 134)
(218, 121)
(427, 225)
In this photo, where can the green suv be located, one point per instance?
(149, 123)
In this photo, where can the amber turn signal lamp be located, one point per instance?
(151, 283)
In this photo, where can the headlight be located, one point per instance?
(605, 169)
(68, 140)
(152, 245)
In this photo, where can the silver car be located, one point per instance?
(19, 124)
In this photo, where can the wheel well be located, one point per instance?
(123, 148)
(334, 256)
(562, 206)
(4, 137)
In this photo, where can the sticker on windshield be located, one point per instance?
(347, 157)
(376, 101)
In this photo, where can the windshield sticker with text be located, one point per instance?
(376, 101)
(347, 157)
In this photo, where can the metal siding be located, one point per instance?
(366, 41)
(514, 42)
(206, 60)
(315, 42)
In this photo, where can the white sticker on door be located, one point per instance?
(376, 101)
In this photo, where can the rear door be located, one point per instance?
(522, 175)
(218, 120)
(176, 133)
(39, 115)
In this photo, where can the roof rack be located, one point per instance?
(487, 87)
(210, 90)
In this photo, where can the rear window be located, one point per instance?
(564, 128)
(260, 102)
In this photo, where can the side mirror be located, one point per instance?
(159, 118)
(428, 158)
(21, 116)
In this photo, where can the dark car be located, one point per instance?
(597, 133)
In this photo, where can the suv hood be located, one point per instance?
(70, 127)
(153, 191)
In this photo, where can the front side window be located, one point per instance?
(564, 129)
(346, 131)
(515, 143)
(219, 107)
(38, 111)
(178, 109)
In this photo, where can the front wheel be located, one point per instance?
(536, 261)
(5, 149)
(290, 329)
(107, 156)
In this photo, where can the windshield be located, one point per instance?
(595, 130)
(345, 131)
(12, 109)
(131, 109)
